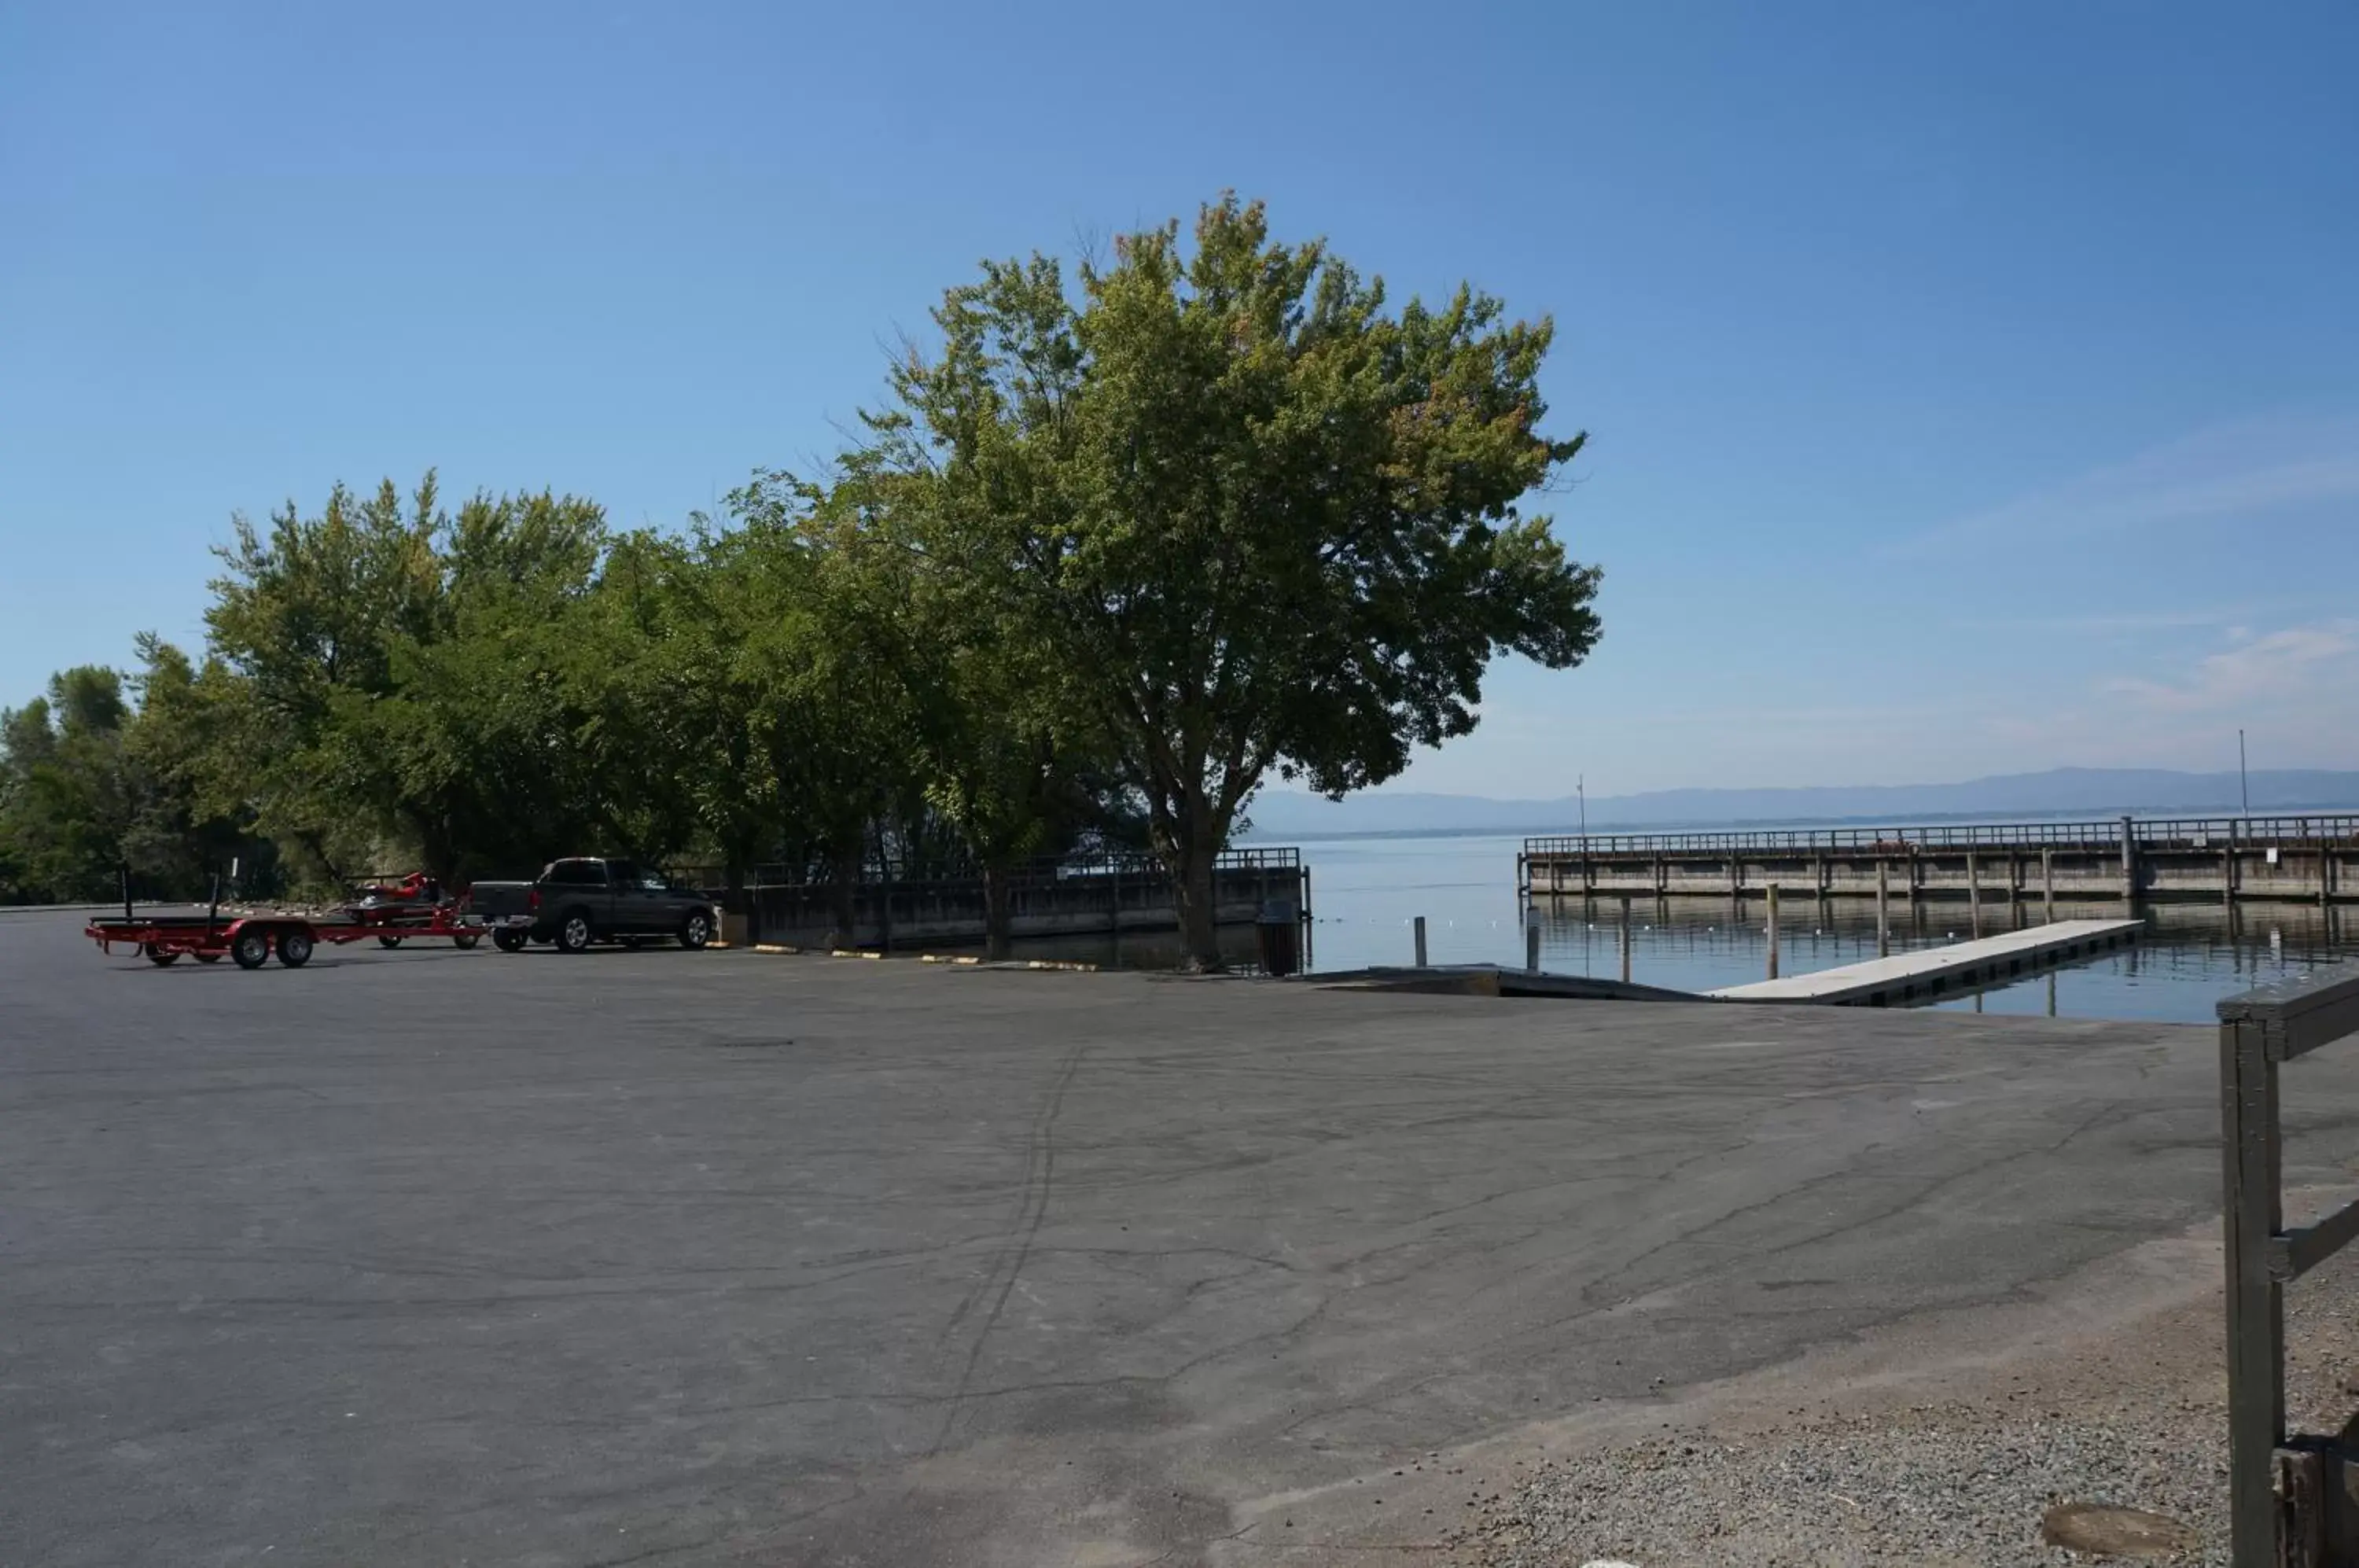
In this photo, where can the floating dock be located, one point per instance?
(1934, 973)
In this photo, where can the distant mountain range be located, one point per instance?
(2063, 791)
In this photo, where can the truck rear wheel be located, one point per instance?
(695, 931)
(508, 939)
(575, 933)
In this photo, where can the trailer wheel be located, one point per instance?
(295, 948)
(464, 940)
(388, 942)
(251, 949)
(695, 931)
(508, 939)
(159, 956)
(574, 935)
(206, 957)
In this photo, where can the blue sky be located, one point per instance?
(1971, 388)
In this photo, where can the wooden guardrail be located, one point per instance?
(2289, 1500)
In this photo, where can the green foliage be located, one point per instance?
(1252, 523)
(89, 784)
(1119, 553)
(70, 794)
(414, 678)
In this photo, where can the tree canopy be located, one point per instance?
(1123, 545)
(1255, 524)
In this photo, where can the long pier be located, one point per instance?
(2311, 858)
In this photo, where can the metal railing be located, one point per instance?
(2280, 1506)
(1029, 873)
(2151, 834)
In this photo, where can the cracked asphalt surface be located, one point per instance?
(436, 1257)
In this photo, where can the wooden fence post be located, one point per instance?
(2248, 1108)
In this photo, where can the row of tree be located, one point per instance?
(1119, 550)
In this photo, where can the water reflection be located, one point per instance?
(2189, 956)
(1367, 892)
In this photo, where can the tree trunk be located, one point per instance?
(843, 889)
(995, 914)
(1192, 886)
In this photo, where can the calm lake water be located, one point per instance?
(1365, 893)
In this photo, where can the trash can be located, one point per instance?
(1279, 930)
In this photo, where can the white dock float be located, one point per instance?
(1933, 972)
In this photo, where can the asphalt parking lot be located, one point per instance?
(435, 1257)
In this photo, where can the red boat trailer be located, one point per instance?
(249, 940)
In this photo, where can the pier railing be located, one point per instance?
(1041, 871)
(2160, 832)
(2284, 1495)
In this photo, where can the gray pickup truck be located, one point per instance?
(576, 902)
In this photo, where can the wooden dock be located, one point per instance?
(2313, 858)
(1932, 973)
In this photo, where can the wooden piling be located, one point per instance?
(2047, 883)
(1420, 941)
(1625, 941)
(1882, 907)
(2228, 868)
(1532, 948)
(1772, 891)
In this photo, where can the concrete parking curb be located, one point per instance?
(957, 959)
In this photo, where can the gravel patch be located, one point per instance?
(1958, 1473)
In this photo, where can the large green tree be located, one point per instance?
(991, 751)
(414, 680)
(70, 794)
(818, 643)
(1256, 524)
(90, 783)
(308, 613)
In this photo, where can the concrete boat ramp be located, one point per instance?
(1939, 971)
